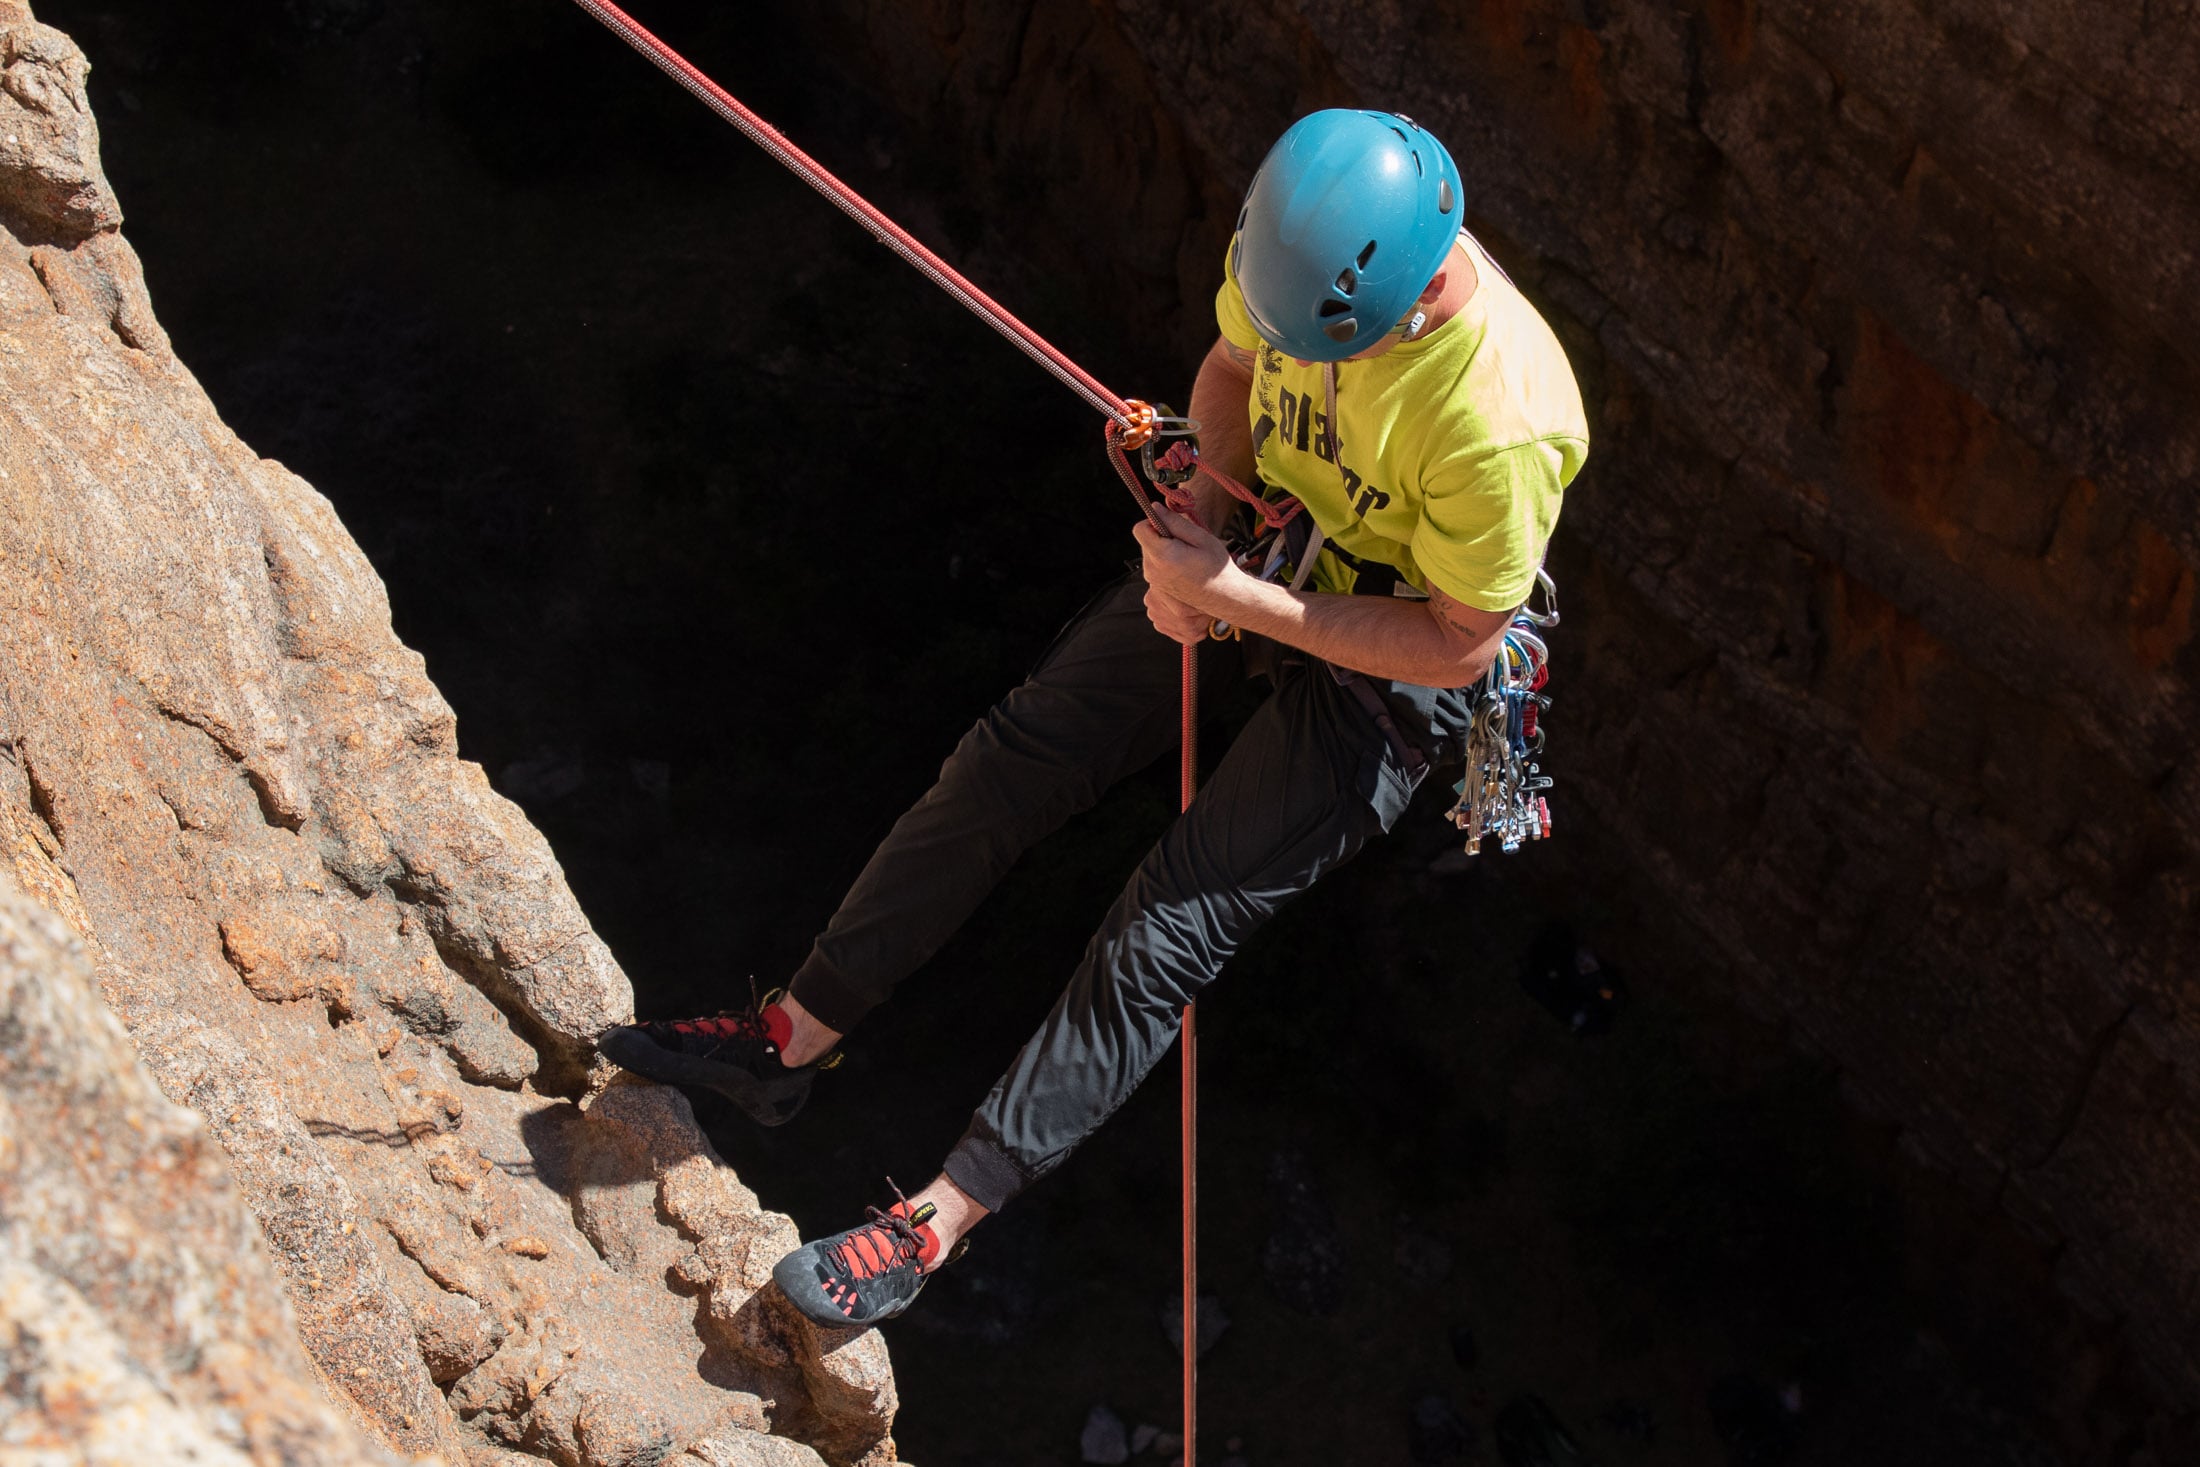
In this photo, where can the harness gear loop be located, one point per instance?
(1502, 794)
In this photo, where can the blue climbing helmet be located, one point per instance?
(1347, 221)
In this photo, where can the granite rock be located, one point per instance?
(326, 935)
(140, 1319)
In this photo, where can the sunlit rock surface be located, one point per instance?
(140, 1322)
(325, 935)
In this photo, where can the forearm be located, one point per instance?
(1219, 396)
(1382, 636)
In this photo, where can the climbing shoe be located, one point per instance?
(735, 1053)
(867, 1274)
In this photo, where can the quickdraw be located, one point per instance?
(1502, 795)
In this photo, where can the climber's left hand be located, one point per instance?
(1189, 567)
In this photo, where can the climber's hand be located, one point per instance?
(1175, 620)
(1187, 572)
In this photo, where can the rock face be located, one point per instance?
(139, 1319)
(1877, 680)
(328, 937)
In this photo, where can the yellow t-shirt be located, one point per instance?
(1456, 447)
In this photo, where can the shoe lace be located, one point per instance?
(888, 1242)
(727, 1024)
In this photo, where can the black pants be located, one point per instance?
(1305, 785)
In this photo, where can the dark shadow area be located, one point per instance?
(566, 1153)
(717, 525)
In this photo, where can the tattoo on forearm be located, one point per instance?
(1458, 616)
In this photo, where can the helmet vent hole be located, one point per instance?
(1333, 308)
(1242, 214)
(1348, 280)
(1343, 330)
(1443, 196)
(1237, 255)
(1418, 170)
(1366, 255)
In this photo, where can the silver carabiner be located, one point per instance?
(1548, 616)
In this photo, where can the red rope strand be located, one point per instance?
(856, 207)
(1187, 1038)
(1119, 413)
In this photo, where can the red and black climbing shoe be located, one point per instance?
(866, 1274)
(735, 1053)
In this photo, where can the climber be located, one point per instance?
(1372, 361)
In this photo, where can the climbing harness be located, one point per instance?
(1502, 794)
(1136, 427)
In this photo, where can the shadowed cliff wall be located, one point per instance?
(1877, 677)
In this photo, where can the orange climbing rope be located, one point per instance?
(1132, 426)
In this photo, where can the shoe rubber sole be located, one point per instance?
(765, 1103)
(796, 1275)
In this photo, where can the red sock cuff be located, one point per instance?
(928, 1245)
(778, 1028)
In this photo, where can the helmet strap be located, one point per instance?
(1414, 323)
